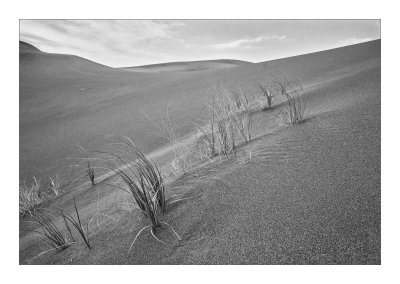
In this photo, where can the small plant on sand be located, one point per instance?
(90, 172)
(230, 119)
(292, 91)
(240, 113)
(77, 224)
(55, 184)
(141, 178)
(50, 233)
(182, 161)
(29, 197)
(266, 92)
(85, 165)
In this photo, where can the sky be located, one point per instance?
(124, 43)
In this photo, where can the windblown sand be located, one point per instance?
(305, 194)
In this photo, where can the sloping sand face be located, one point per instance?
(66, 100)
(309, 195)
(305, 194)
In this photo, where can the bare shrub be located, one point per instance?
(268, 93)
(230, 121)
(183, 151)
(296, 105)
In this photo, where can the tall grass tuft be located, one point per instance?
(137, 172)
(296, 105)
(76, 223)
(230, 123)
(268, 93)
(50, 233)
(141, 178)
(90, 172)
(29, 197)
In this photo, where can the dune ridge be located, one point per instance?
(66, 100)
(188, 66)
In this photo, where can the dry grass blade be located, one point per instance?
(55, 184)
(230, 120)
(140, 175)
(51, 234)
(29, 197)
(296, 106)
(137, 236)
(77, 224)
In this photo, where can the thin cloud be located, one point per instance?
(119, 43)
(94, 38)
(248, 42)
(354, 40)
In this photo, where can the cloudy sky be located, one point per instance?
(120, 43)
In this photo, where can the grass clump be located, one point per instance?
(50, 233)
(268, 94)
(29, 197)
(90, 172)
(230, 123)
(77, 224)
(296, 105)
(53, 234)
(141, 178)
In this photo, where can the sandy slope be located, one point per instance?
(307, 194)
(188, 66)
(66, 99)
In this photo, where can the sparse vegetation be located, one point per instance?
(77, 224)
(230, 125)
(296, 104)
(142, 179)
(55, 184)
(85, 165)
(50, 233)
(183, 151)
(268, 94)
(138, 173)
(230, 120)
(29, 197)
(53, 235)
(90, 172)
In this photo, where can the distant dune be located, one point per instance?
(188, 66)
(25, 48)
(66, 100)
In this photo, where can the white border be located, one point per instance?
(208, 9)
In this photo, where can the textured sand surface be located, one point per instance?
(67, 100)
(307, 194)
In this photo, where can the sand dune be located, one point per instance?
(307, 194)
(66, 99)
(188, 66)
